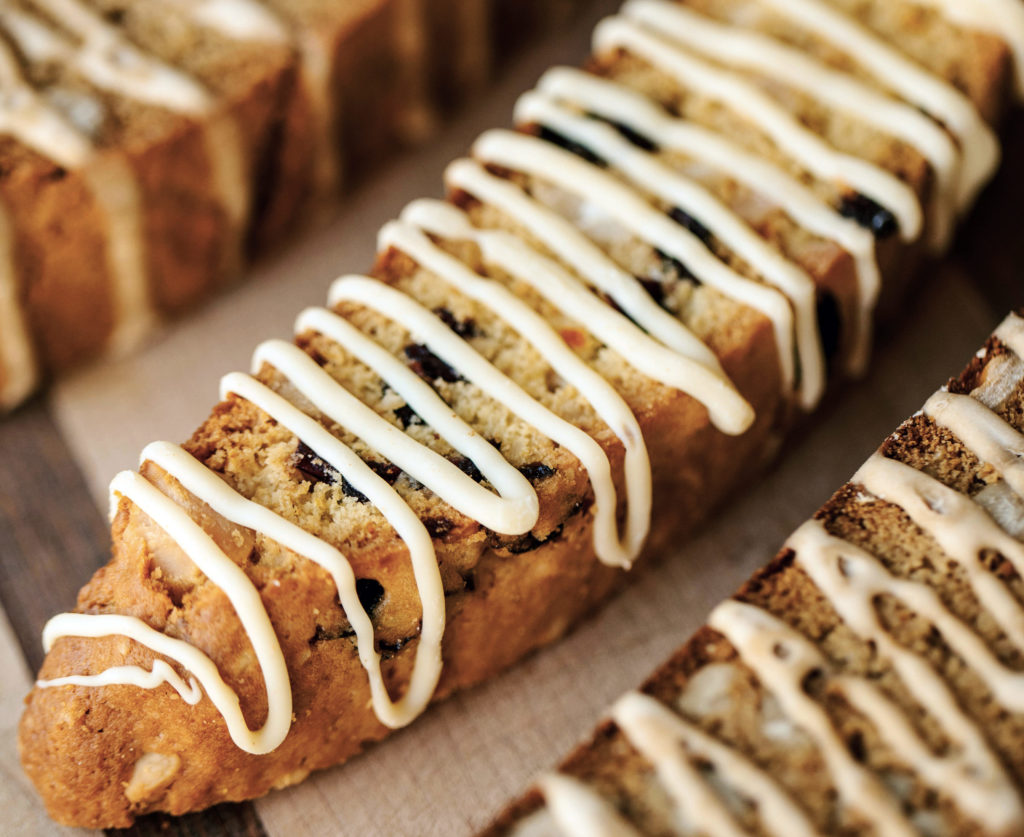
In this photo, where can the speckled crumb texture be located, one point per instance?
(102, 755)
(918, 666)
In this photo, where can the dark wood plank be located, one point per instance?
(52, 538)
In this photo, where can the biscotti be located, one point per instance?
(866, 681)
(148, 147)
(600, 334)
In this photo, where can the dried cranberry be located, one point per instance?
(685, 219)
(536, 471)
(438, 527)
(428, 365)
(672, 267)
(387, 471)
(313, 466)
(569, 145)
(407, 416)
(468, 467)
(655, 290)
(869, 214)
(370, 592)
(466, 329)
(635, 137)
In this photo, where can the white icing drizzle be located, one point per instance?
(585, 258)
(982, 432)
(666, 740)
(453, 350)
(536, 331)
(109, 61)
(33, 122)
(18, 367)
(839, 91)
(514, 511)
(1011, 334)
(565, 170)
(580, 812)
(248, 20)
(245, 600)
(671, 186)
(161, 673)
(802, 144)
(1002, 18)
(970, 773)
(960, 527)
(242, 20)
(513, 514)
(226, 502)
(781, 658)
(727, 409)
(978, 143)
(626, 107)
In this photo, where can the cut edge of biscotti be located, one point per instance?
(848, 680)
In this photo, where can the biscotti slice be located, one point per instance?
(561, 369)
(148, 147)
(867, 681)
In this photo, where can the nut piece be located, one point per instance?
(153, 773)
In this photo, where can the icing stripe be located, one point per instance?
(623, 106)
(405, 522)
(727, 409)
(978, 143)
(781, 658)
(960, 527)
(666, 740)
(580, 812)
(983, 433)
(35, 124)
(112, 63)
(852, 579)
(160, 673)
(536, 331)
(585, 258)
(513, 514)
(802, 145)
(660, 180)
(428, 329)
(1011, 334)
(565, 170)
(838, 91)
(245, 600)
(242, 20)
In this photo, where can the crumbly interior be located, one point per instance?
(706, 683)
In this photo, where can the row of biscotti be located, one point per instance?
(148, 147)
(867, 681)
(596, 339)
